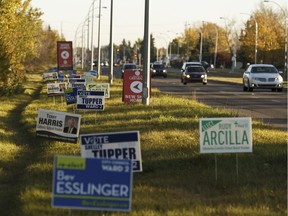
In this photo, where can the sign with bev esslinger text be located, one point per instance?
(225, 135)
(92, 183)
(118, 145)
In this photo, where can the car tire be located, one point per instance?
(185, 83)
(244, 88)
(204, 83)
(280, 89)
(249, 88)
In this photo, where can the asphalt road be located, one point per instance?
(264, 105)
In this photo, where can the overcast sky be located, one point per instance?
(167, 17)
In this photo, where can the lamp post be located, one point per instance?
(286, 36)
(99, 43)
(216, 47)
(256, 37)
(111, 45)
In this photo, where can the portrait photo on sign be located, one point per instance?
(71, 123)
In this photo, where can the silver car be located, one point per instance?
(264, 76)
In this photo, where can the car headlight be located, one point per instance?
(202, 76)
(279, 79)
(154, 71)
(187, 75)
(164, 71)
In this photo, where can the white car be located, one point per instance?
(264, 76)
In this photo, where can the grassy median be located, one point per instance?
(176, 178)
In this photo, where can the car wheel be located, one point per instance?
(165, 76)
(280, 89)
(204, 83)
(250, 89)
(244, 88)
(273, 89)
(185, 83)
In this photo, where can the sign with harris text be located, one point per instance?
(92, 183)
(65, 55)
(225, 135)
(119, 145)
(58, 126)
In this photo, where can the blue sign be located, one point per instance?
(92, 184)
(71, 96)
(90, 100)
(119, 145)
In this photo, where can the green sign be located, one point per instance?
(225, 135)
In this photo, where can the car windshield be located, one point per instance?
(195, 69)
(264, 70)
(158, 66)
(130, 67)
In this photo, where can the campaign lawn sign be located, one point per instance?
(71, 96)
(50, 76)
(88, 78)
(225, 135)
(92, 183)
(90, 100)
(56, 89)
(99, 87)
(119, 145)
(58, 126)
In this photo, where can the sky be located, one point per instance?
(167, 18)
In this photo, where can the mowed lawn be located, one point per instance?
(176, 180)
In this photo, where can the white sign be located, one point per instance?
(59, 126)
(99, 87)
(56, 88)
(119, 145)
(225, 135)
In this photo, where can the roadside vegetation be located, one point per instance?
(176, 178)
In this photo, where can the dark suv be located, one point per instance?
(158, 69)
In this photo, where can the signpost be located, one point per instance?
(119, 145)
(92, 183)
(225, 135)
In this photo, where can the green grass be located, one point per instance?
(176, 179)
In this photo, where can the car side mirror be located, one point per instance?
(280, 72)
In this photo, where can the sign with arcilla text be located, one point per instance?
(225, 135)
(92, 183)
(119, 145)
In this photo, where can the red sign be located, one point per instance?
(65, 55)
(132, 85)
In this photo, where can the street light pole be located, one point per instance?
(99, 45)
(216, 47)
(286, 35)
(111, 45)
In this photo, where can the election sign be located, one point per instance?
(225, 135)
(65, 55)
(92, 183)
(54, 89)
(100, 87)
(120, 145)
(71, 96)
(50, 76)
(58, 125)
(90, 100)
(132, 85)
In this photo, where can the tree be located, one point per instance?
(19, 26)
